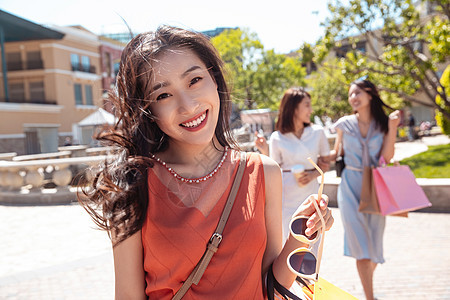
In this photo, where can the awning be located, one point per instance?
(99, 117)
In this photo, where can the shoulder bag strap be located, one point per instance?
(216, 238)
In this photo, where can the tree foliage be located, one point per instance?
(259, 78)
(441, 121)
(404, 51)
(329, 92)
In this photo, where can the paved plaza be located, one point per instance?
(54, 252)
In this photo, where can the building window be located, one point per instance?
(88, 95)
(78, 94)
(343, 50)
(85, 63)
(34, 60)
(17, 92)
(13, 61)
(75, 62)
(116, 68)
(108, 64)
(37, 94)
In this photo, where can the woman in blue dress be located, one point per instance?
(365, 136)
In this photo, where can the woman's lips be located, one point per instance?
(196, 123)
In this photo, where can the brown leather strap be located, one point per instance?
(216, 238)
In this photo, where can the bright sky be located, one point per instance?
(282, 25)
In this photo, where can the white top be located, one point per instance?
(289, 150)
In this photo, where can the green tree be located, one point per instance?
(274, 75)
(241, 51)
(404, 50)
(329, 92)
(258, 77)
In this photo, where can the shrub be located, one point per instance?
(441, 120)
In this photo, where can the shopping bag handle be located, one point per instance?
(381, 161)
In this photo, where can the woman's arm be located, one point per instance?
(275, 252)
(387, 151)
(261, 144)
(272, 211)
(129, 268)
(337, 144)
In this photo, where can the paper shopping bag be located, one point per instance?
(324, 290)
(368, 202)
(397, 190)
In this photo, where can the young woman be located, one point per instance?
(366, 136)
(295, 140)
(162, 197)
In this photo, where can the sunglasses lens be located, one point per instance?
(299, 226)
(303, 263)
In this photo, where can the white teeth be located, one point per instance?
(195, 122)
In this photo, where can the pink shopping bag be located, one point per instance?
(397, 190)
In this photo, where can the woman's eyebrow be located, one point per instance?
(159, 85)
(183, 75)
(191, 69)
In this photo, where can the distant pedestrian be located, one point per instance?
(366, 135)
(162, 198)
(67, 141)
(411, 127)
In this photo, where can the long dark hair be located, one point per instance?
(117, 200)
(291, 99)
(376, 104)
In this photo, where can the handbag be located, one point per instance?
(320, 290)
(368, 201)
(397, 190)
(216, 237)
(339, 164)
(324, 290)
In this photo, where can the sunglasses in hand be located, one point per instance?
(302, 261)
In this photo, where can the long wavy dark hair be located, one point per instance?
(117, 197)
(289, 103)
(376, 104)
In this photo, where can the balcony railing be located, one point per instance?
(29, 65)
(33, 101)
(35, 64)
(81, 68)
(14, 65)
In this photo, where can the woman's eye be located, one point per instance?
(162, 96)
(195, 80)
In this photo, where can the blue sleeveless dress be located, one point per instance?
(363, 233)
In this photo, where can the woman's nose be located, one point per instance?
(187, 103)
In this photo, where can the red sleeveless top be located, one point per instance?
(180, 221)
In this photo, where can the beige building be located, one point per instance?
(53, 80)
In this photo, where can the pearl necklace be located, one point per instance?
(193, 180)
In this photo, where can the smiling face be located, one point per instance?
(185, 100)
(358, 98)
(303, 111)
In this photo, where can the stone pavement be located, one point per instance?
(53, 252)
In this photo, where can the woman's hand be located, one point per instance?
(261, 144)
(394, 120)
(324, 163)
(306, 177)
(307, 208)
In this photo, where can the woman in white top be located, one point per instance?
(294, 141)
